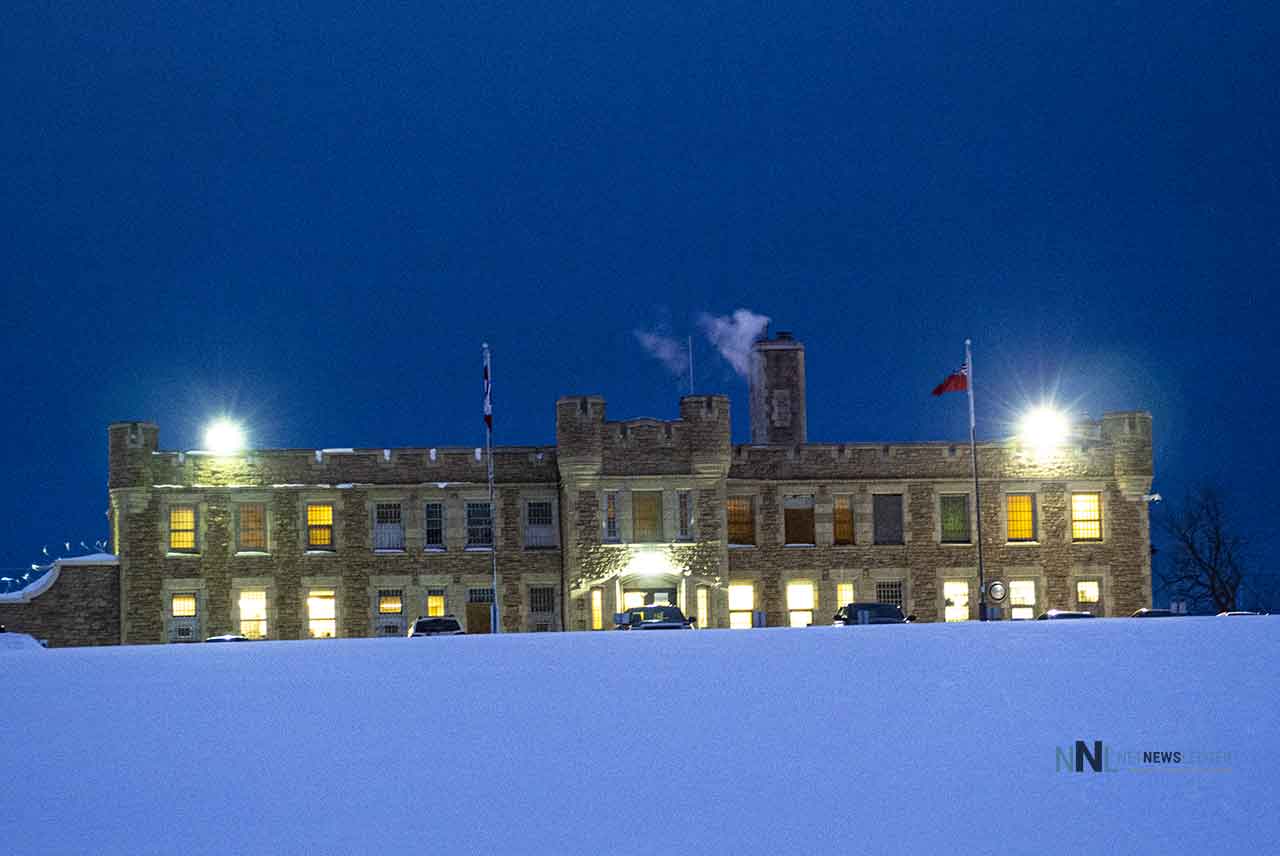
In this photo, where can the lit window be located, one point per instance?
(955, 518)
(390, 602)
(182, 529)
(1022, 599)
(684, 509)
(542, 599)
(742, 525)
(253, 614)
(800, 604)
(252, 531)
(1087, 592)
(597, 609)
(320, 526)
(843, 520)
(704, 606)
(322, 614)
(646, 516)
(844, 594)
(388, 526)
(479, 524)
(433, 536)
(184, 605)
(1086, 517)
(538, 530)
(1020, 509)
(887, 518)
(632, 599)
(611, 516)
(435, 603)
(956, 598)
(797, 520)
(889, 591)
(742, 602)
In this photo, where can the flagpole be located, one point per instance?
(494, 612)
(977, 496)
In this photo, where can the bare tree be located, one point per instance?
(1207, 567)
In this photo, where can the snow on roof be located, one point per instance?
(41, 577)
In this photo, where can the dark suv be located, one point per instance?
(445, 625)
(871, 613)
(652, 618)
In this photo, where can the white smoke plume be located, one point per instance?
(733, 335)
(666, 350)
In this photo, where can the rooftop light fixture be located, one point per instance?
(1044, 429)
(224, 437)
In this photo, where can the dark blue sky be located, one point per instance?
(311, 216)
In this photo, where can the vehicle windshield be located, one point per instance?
(436, 625)
(641, 615)
(874, 611)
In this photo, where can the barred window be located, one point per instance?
(887, 518)
(435, 603)
(184, 605)
(1086, 517)
(684, 508)
(1022, 599)
(1020, 509)
(480, 595)
(742, 524)
(542, 599)
(253, 614)
(434, 532)
(889, 591)
(955, 518)
(479, 524)
(611, 516)
(646, 515)
(252, 531)
(320, 526)
(843, 520)
(539, 531)
(388, 528)
(182, 529)
(797, 519)
(390, 602)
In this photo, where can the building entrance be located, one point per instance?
(632, 598)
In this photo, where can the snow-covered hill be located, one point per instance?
(931, 738)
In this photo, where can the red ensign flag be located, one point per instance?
(957, 381)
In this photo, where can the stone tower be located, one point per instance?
(777, 391)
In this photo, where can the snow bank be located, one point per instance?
(18, 642)
(931, 738)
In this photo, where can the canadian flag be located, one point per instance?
(957, 381)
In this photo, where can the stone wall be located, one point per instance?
(81, 607)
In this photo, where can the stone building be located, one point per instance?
(355, 542)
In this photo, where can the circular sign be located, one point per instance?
(997, 590)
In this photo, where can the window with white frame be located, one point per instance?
(433, 526)
(479, 524)
(889, 591)
(388, 527)
(1022, 599)
(684, 508)
(539, 532)
(800, 603)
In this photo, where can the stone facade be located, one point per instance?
(625, 512)
(76, 603)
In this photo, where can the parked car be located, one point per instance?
(1153, 613)
(228, 637)
(870, 613)
(1063, 613)
(444, 625)
(653, 618)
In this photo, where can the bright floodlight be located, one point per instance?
(1044, 428)
(224, 437)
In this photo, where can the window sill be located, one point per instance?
(801, 546)
(253, 553)
(1086, 541)
(955, 543)
(1022, 543)
(430, 549)
(742, 546)
(320, 553)
(477, 549)
(172, 555)
(889, 544)
(389, 552)
(542, 548)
